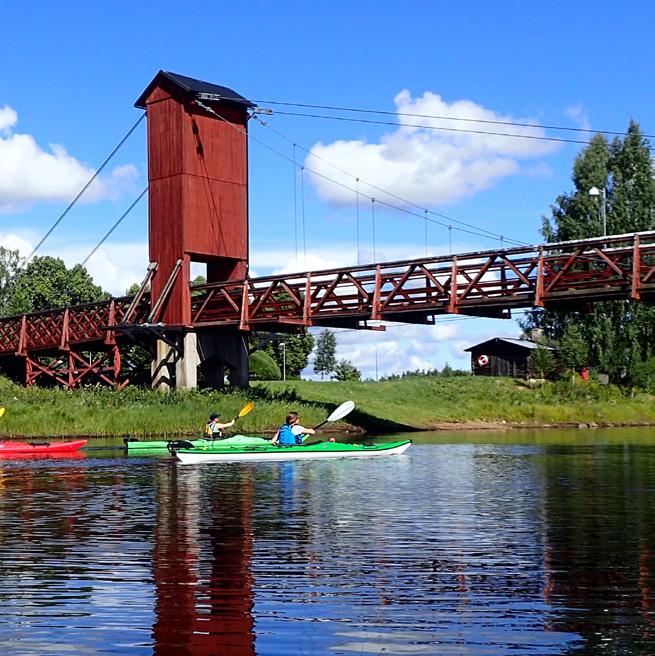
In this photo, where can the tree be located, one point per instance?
(346, 370)
(296, 353)
(9, 264)
(542, 362)
(447, 370)
(573, 350)
(133, 289)
(577, 215)
(619, 334)
(325, 360)
(45, 283)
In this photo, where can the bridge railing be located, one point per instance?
(480, 283)
(59, 328)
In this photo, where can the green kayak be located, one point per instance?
(134, 445)
(320, 451)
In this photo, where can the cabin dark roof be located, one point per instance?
(521, 343)
(190, 86)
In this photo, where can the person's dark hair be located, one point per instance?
(214, 415)
(291, 417)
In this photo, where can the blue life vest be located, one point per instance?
(287, 438)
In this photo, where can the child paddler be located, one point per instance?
(291, 433)
(214, 429)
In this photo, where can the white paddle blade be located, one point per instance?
(345, 408)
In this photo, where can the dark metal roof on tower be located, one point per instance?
(191, 87)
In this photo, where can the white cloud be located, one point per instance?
(15, 242)
(579, 115)
(426, 166)
(405, 347)
(30, 173)
(121, 180)
(8, 118)
(400, 348)
(115, 266)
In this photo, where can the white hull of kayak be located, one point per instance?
(285, 455)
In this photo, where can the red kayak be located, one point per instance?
(14, 448)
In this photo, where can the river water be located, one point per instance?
(537, 542)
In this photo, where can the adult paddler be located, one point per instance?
(291, 432)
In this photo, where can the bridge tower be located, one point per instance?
(198, 212)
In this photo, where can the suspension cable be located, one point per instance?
(86, 186)
(384, 191)
(116, 224)
(478, 232)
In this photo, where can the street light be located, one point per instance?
(284, 360)
(595, 191)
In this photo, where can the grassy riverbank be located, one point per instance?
(431, 403)
(388, 406)
(134, 411)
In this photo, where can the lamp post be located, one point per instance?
(595, 191)
(376, 364)
(284, 360)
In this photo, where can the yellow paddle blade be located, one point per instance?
(245, 410)
(2, 411)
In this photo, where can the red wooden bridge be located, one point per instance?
(485, 283)
(198, 211)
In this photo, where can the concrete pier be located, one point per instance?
(221, 354)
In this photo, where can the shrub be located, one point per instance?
(263, 367)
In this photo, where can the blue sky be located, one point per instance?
(72, 71)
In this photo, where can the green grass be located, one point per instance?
(429, 402)
(388, 406)
(133, 411)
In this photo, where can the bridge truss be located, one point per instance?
(484, 283)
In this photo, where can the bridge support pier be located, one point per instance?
(220, 351)
(162, 367)
(177, 358)
(186, 366)
(176, 363)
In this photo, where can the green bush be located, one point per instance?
(263, 367)
(642, 375)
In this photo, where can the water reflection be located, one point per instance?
(201, 565)
(601, 535)
(492, 547)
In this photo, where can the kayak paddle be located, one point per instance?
(339, 413)
(245, 410)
